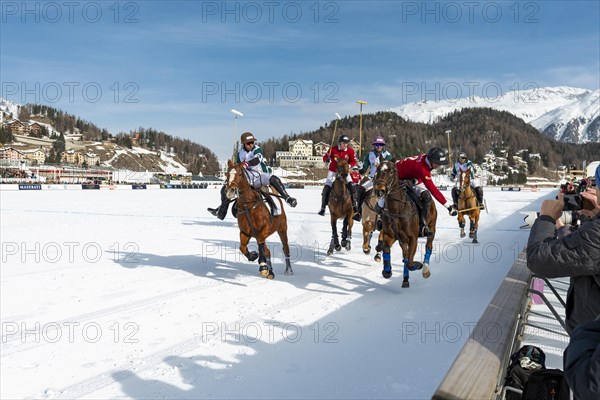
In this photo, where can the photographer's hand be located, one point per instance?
(591, 196)
(553, 208)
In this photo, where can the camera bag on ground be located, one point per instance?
(547, 384)
(523, 363)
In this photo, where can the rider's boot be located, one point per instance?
(360, 198)
(324, 199)
(426, 200)
(479, 195)
(276, 183)
(455, 196)
(352, 188)
(221, 211)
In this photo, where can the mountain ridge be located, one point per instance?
(563, 113)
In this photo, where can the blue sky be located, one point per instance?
(180, 66)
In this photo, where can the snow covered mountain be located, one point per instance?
(564, 113)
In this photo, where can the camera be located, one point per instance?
(573, 202)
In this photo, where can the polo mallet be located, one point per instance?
(334, 129)
(237, 114)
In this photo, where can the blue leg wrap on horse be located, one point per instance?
(406, 273)
(427, 255)
(387, 262)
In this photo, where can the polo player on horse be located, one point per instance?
(258, 174)
(464, 164)
(370, 164)
(342, 150)
(419, 168)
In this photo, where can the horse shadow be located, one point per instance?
(220, 260)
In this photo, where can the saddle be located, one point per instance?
(267, 198)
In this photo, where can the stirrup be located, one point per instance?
(357, 217)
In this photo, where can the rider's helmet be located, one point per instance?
(247, 137)
(343, 139)
(461, 155)
(437, 155)
(379, 140)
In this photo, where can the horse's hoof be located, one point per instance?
(378, 247)
(367, 251)
(426, 274)
(348, 246)
(263, 270)
(330, 251)
(377, 257)
(471, 235)
(386, 274)
(289, 271)
(271, 275)
(462, 234)
(344, 242)
(417, 266)
(338, 247)
(405, 283)
(475, 241)
(252, 256)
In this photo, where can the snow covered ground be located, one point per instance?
(143, 294)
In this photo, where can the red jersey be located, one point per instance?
(418, 168)
(335, 154)
(355, 175)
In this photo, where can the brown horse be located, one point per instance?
(369, 221)
(467, 205)
(400, 219)
(340, 207)
(256, 221)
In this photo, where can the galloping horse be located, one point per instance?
(467, 205)
(369, 222)
(400, 219)
(255, 220)
(340, 206)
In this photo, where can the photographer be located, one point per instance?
(576, 255)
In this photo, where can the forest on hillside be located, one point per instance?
(476, 131)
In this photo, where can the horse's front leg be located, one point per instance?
(426, 259)
(387, 243)
(408, 253)
(244, 240)
(335, 241)
(461, 224)
(282, 232)
(378, 247)
(367, 234)
(347, 232)
(265, 269)
(473, 227)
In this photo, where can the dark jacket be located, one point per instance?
(577, 256)
(582, 361)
